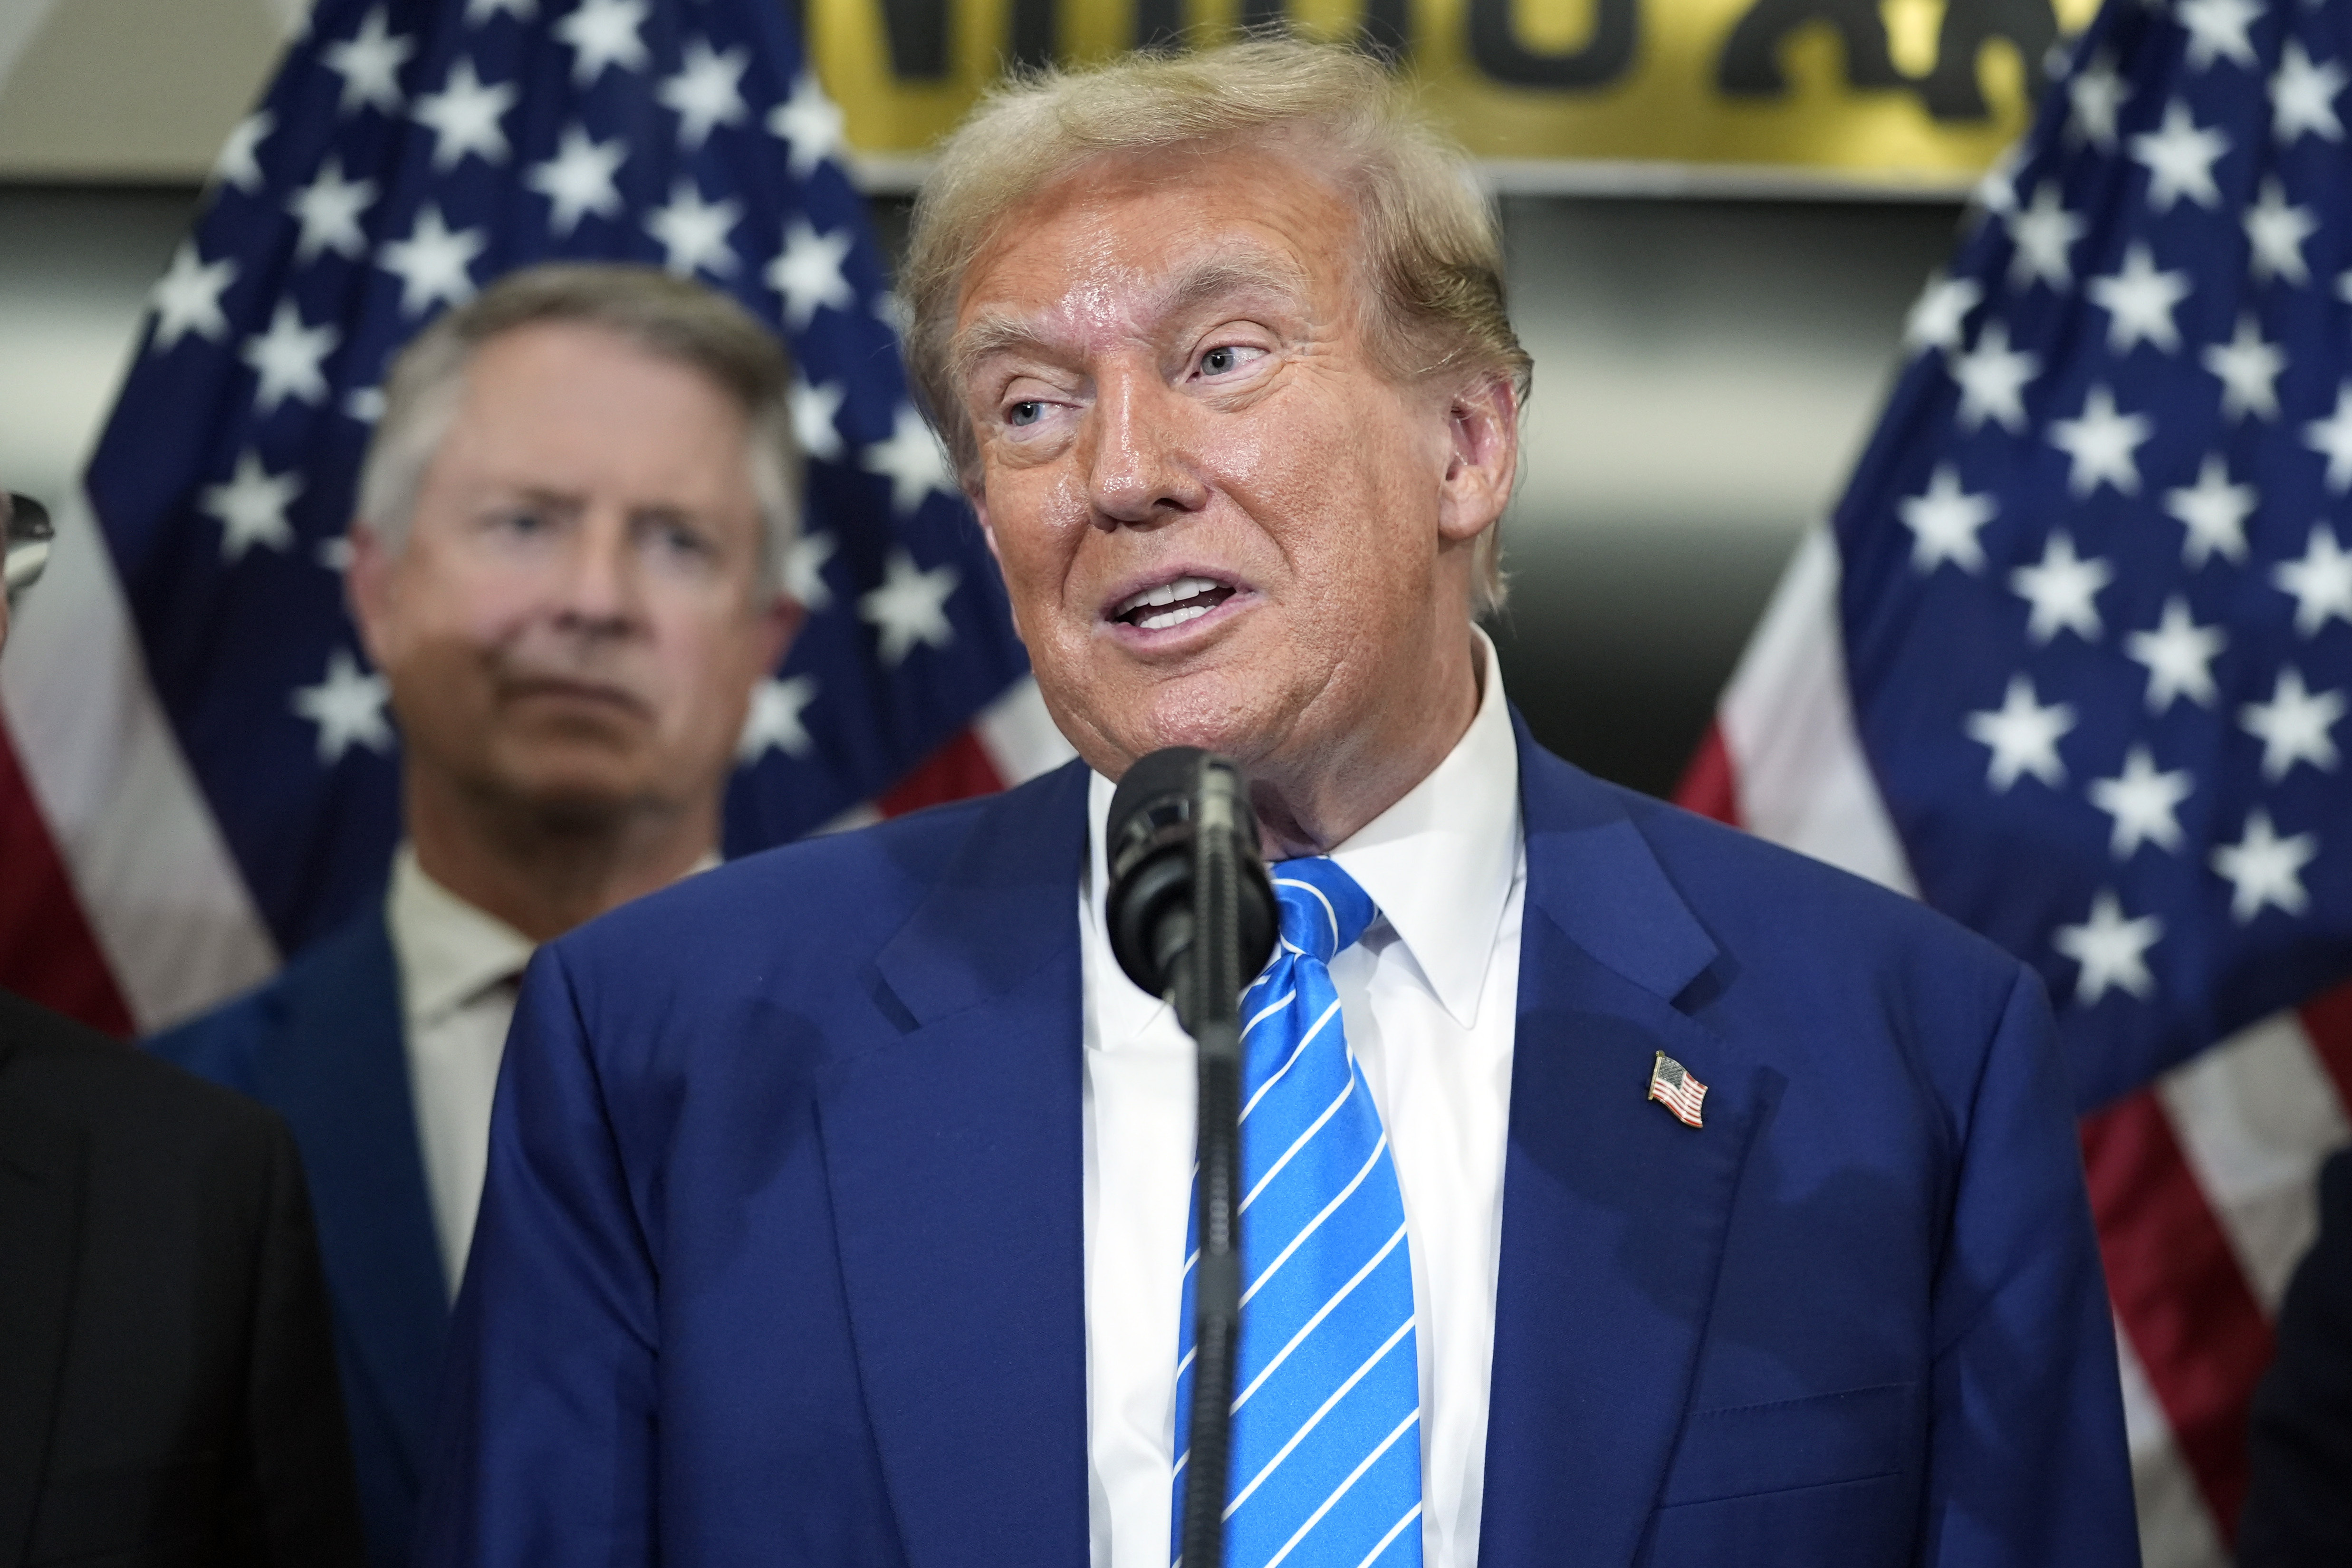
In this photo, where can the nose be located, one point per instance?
(1137, 469)
(596, 590)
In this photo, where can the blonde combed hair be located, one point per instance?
(1429, 244)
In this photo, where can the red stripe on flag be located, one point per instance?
(957, 771)
(1707, 785)
(2180, 1292)
(48, 951)
(2327, 1019)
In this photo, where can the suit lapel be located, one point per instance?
(1615, 1212)
(41, 1180)
(336, 1067)
(952, 1154)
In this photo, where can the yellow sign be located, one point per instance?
(1903, 91)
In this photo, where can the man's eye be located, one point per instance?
(1026, 413)
(519, 522)
(1225, 358)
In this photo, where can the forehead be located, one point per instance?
(1124, 240)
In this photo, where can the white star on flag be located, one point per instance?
(2321, 581)
(1992, 378)
(239, 163)
(2179, 160)
(2249, 371)
(2043, 233)
(251, 507)
(370, 63)
(2293, 726)
(814, 409)
(2101, 442)
(2062, 591)
(2214, 511)
(704, 93)
(2276, 232)
(804, 571)
(2180, 655)
(2139, 301)
(2264, 870)
(910, 459)
(328, 209)
(810, 124)
(364, 403)
(480, 11)
(2217, 30)
(434, 266)
(2332, 437)
(909, 607)
(603, 33)
(2095, 95)
(188, 297)
(2111, 950)
(348, 708)
(693, 232)
(464, 118)
(1937, 318)
(2023, 736)
(807, 273)
(2145, 803)
(1944, 522)
(2303, 97)
(773, 720)
(579, 179)
(288, 358)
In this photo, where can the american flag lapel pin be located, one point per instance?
(1671, 1086)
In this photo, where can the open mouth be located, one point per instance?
(1172, 604)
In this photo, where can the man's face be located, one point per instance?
(1220, 523)
(571, 624)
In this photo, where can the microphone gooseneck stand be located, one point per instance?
(1193, 918)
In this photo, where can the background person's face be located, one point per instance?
(1166, 365)
(572, 623)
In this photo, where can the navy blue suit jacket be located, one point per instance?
(781, 1259)
(321, 1044)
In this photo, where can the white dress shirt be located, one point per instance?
(1430, 1001)
(457, 967)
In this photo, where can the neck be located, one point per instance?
(1308, 806)
(544, 871)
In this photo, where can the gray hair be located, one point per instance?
(674, 317)
(1430, 244)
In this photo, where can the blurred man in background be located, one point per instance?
(167, 1384)
(567, 568)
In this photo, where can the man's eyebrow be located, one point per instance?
(992, 335)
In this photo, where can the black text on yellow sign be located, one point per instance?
(1922, 89)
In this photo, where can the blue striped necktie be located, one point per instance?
(1326, 1465)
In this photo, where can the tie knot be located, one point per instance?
(1323, 911)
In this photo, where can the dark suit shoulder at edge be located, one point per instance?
(85, 1073)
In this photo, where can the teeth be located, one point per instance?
(1167, 594)
(1161, 622)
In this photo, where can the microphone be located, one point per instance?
(1175, 810)
(1191, 918)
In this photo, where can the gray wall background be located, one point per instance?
(1705, 374)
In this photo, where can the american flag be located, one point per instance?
(205, 776)
(1671, 1086)
(2072, 661)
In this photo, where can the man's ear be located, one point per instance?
(977, 494)
(368, 588)
(779, 622)
(1482, 428)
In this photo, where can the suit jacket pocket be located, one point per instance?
(1832, 1478)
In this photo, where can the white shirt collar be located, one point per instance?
(450, 952)
(1440, 864)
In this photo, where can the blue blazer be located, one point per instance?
(781, 1259)
(322, 1045)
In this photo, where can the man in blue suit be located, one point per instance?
(1659, 1197)
(567, 565)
